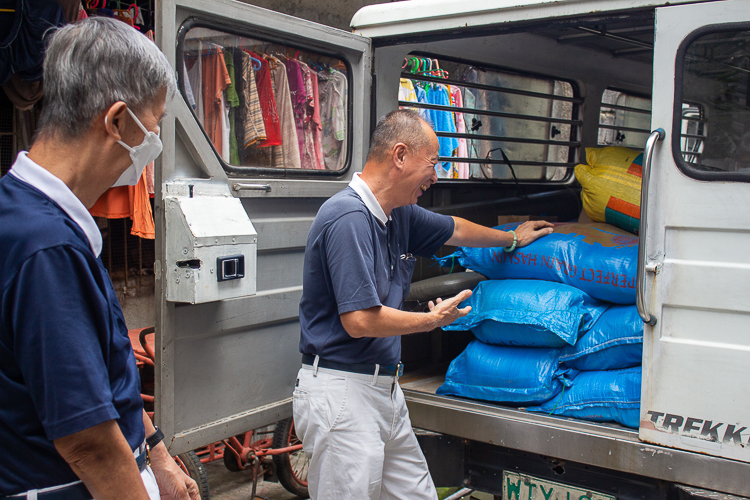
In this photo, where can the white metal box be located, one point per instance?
(211, 252)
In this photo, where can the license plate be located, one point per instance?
(522, 487)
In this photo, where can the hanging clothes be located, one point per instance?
(194, 82)
(462, 169)
(333, 99)
(22, 49)
(406, 91)
(288, 154)
(250, 127)
(215, 81)
(312, 157)
(422, 97)
(128, 201)
(299, 99)
(232, 103)
(442, 121)
(267, 103)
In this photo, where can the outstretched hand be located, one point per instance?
(532, 230)
(447, 311)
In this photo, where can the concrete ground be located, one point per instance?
(227, 485)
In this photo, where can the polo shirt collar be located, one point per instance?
(364, 192)
(42, 179)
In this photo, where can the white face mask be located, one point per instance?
(141, 155)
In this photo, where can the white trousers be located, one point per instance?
(356, 431)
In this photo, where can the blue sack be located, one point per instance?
(613, 343)
(606, 396)
(515, 375)
(599, 259)
(528, 313)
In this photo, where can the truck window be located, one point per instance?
(624, 119)
(713, 81)
(479, 113)
(265, 107)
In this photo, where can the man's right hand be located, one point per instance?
(446, 311)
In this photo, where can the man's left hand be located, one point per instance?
(532, 230)
(173, 483)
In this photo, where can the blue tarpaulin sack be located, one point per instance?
(514, 375)
(614, 342)
(599, 259)
(604, 396)
(529, 313)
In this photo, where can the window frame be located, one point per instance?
(601, 126)
(685, 167)
(575, 153)
(277, 39)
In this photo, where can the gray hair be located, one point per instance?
(402, 125)
(94, 63)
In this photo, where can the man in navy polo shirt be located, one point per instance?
(72, 424)
(349, 410)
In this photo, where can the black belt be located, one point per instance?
(364, 368)
(77, 491)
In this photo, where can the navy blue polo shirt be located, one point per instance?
(66, 363)
(354, 261)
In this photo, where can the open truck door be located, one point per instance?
(231, 231)
(696, 242)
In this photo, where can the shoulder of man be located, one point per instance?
(342, 203)
(30, 222)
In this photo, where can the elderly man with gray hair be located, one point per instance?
(349, 410)
(72, 424)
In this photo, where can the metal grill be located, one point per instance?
(533, 119)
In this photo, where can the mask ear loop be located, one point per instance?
(138, 121)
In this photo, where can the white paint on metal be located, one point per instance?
(421, 16)
(696, 362)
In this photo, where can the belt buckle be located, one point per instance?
(399, 369)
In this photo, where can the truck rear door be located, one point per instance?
(697, 354)
(232, 216)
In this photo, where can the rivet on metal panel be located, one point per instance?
(184, 251)
(177, 280)
(233, 239)
(216, 240)
(653, 267)
(212, 271)
(187, 274)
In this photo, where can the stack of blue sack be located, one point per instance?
(556, 326)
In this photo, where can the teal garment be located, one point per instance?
(442, 121)
(233, 101)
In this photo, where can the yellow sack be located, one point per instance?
(611, 185)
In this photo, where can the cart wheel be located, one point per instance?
(192, 466)
(291, 468)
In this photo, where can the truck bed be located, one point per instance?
(610, 446)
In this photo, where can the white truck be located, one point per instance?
(547, 79)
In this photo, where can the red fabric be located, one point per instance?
(267, 103)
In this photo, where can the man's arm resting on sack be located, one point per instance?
(468, 234)
(102, 458)
(383, 321)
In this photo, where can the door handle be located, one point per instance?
(240, 186)
(640, 288)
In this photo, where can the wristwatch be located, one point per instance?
(154, 438)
